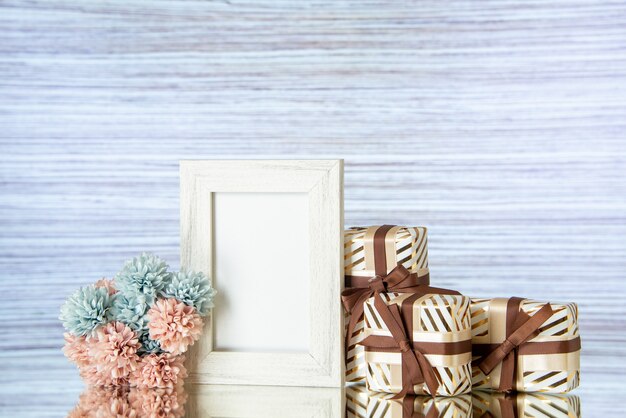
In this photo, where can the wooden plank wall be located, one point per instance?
(500, 125)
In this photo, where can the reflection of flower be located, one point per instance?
(144, 275)
(115, 349)
(194, 289)
(131, 310)
(85, 310)
(131, 403)
(107, 284)
(159, 371)
(157, 403)
(76, 349)
(174, 325)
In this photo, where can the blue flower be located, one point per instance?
(193, 289)
(144, 275)
(148, 346)
(86, 309)
(131, 310)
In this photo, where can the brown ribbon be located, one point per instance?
(408, 409)
(520, 327)
(398, 280)
(415, 367)
(508, 407)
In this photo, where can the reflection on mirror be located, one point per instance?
(361, 403)
(130, 402)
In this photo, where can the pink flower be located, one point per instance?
(174, 325)
(108, 284)
(159, 371)
(76, 349)
(115, 350)
(97, 376)
(159, 403)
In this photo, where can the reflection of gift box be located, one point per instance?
(500, 405)
(357, 397)
(428, 351)
(372, 251)
(382, 405)
(524, 345)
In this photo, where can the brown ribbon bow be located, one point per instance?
(520, 327)
(416, 368)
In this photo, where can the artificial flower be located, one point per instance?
(115, 349)
(109, 285)
(99, 376)
(148, 345)
(131, 310)
(144, 275)
(86, 309)
(159, 371)
(174, 325)
(194, 289)
(76, 349)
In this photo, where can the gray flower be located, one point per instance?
(144, 275)
(86, 309)
(193, 289)
(148, 346)
(131, 310)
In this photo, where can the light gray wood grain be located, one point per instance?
(497, 124)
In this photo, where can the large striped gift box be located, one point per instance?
(537, 405)
(524, 345)
(363, 259)
(437, 341)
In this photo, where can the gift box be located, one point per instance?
(500, 405)
(418, 344)
(357, 397)
(371, 251)
(384, 405)
(524, 345)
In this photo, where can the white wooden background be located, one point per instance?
(498, 124)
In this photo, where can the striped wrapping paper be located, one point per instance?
(537, 405)
(382, 405)
(435, 320)
(554, 371)
(407, 246)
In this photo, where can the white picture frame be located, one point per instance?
(314, 192)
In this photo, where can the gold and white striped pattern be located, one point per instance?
(381, 405)
(436, 318)
(410, 249)
(357, 397)
(549, 373)
(536, 405)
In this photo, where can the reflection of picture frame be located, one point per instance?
(229, 401)
(269, 233)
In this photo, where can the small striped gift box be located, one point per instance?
(524, 345)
